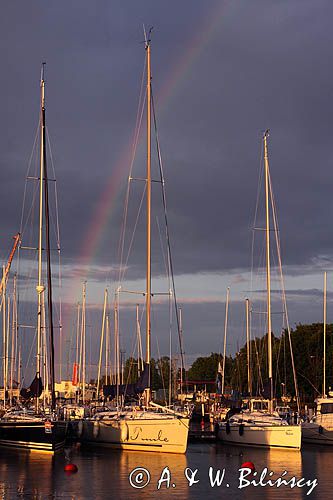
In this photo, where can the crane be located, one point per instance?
(9, 261)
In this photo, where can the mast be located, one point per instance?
(138, 334)
(14, 341)
(7, 341)
(107, 349)
(116, 344)
(225, 337)
(268, 270)
(4, 337)
(44, 355)
(77, 338)
(249, 383)
(102, 341)
(83, 341)
(48, 255)
(181, 336)
(324, 361)
(40, 287)
(148, 262)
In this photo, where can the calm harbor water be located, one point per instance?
(104, 474)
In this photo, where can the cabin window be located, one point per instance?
(326, 408)
(260, 405)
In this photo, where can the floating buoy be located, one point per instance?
(248, 465)
(70, 468)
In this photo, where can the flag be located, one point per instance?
(75, 372)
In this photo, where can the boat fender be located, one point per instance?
(79, 428)
(321, 430)
(227, 427)
(96, 429)
(124, 432)
(241, 429)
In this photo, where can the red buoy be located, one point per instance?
(70, 468)
(248, 465)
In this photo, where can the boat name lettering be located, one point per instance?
(137, 433)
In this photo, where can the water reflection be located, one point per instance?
(104, 473)
(22, 473)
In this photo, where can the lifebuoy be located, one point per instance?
(241, 429)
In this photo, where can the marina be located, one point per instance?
(166, 297)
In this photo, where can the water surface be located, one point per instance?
(105, 474)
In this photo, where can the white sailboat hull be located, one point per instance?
(158, 434)
(267, 436)
(314, 433)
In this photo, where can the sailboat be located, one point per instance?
(259, 425)
(24, 427)
(148, 427)
(319, 429)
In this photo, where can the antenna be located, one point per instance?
(42, 71)
(147, 38)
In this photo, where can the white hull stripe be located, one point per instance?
(31, 444)
(19, 426)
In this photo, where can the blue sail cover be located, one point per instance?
(129, 389)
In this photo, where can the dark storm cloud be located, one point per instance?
(266, 65)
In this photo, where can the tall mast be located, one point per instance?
(48, 257)
(268, 269)
(324, 367)
(40, 287)
(148, 268)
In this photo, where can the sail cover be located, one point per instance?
(219, 379)
(35, 389)
(129, 389)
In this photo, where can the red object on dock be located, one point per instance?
(248, 465)
(70, 468)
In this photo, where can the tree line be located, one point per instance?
(307, 347)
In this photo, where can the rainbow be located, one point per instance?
(108, 198)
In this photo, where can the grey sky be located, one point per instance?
(245, 66)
